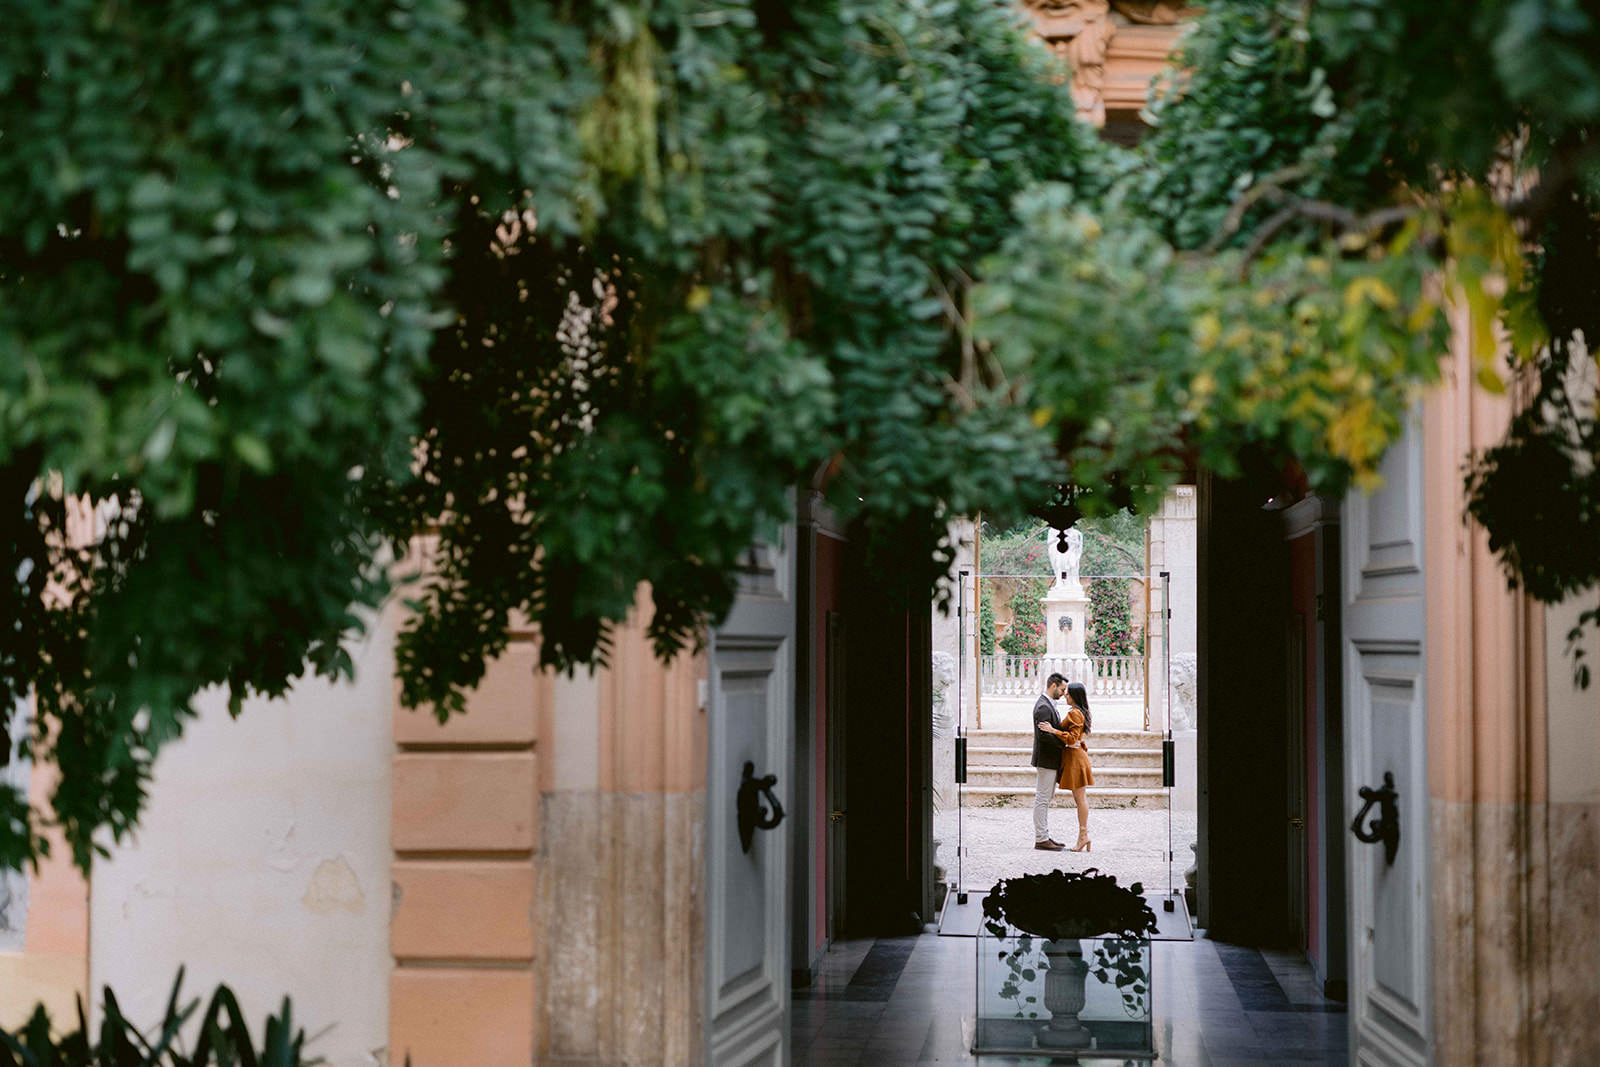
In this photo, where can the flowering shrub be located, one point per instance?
(986, 642)
(1110, 622)
(1026, 636)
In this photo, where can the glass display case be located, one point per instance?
(1067, 998)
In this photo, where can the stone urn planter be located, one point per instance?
(1050, 946)
(1064, 995)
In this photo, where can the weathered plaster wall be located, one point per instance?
(1573, 737)
(1516, 913)
(1574, 836)
(548, 873)
(620, 921)
(262, 861)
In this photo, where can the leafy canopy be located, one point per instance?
(581, 292)
(1274, 270)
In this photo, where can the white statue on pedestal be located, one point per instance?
(1064, 564)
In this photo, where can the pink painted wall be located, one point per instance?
(828, 559)
(1303, 603)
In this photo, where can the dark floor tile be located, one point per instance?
(857, 1030)
(1253, 981)
(873, 980)
(1214, 1003)
(1278, 1057)
(1314, 1033)
(835, 1050)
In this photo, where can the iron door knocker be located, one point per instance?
(1386, 827)
(752, 816)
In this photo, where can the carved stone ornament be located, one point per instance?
(1151, 12)
(1081, 31)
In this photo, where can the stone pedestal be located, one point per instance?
(1066, 617)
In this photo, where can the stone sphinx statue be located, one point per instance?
(1185, 690)
(944, 732)
(944, 697)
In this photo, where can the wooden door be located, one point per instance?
(1385, 704)
(838, 806)
(1295, 764)
(751, 708)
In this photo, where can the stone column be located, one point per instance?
(1172, 549)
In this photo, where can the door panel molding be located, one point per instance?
(745, 676)
(1384, 614)
(750, 704)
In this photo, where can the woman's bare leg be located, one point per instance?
(1080, 796)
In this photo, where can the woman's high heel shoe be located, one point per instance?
(1083, 843)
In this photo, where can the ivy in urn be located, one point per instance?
(1067, 905)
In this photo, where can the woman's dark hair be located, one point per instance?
(1080, 698)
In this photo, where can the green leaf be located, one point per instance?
(253, 451)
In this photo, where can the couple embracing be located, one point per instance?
(1061, 754)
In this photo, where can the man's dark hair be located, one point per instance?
(1055, 679)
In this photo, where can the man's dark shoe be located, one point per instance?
(1049, 846)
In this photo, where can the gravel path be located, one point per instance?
(1130, 844)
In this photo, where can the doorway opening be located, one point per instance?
(1111, 606)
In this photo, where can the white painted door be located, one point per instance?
(751, 708)
(1385, 733)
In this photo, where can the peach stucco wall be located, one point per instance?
(466, 826)
(547, 873)
(1516, 924)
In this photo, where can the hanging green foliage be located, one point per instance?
(579, 291)
(582, 291)
(1274, 270)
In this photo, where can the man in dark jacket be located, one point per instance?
(1047, 750)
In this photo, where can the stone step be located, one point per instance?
(1108, 739)
(1109, 757)
(1022, 779)
(1099, 797)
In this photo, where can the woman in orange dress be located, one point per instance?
(1076, 773)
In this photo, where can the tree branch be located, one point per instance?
(1322, 211)
(1270, 186)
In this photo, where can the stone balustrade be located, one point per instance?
(1005, 675)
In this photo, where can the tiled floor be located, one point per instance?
(907, 1000)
